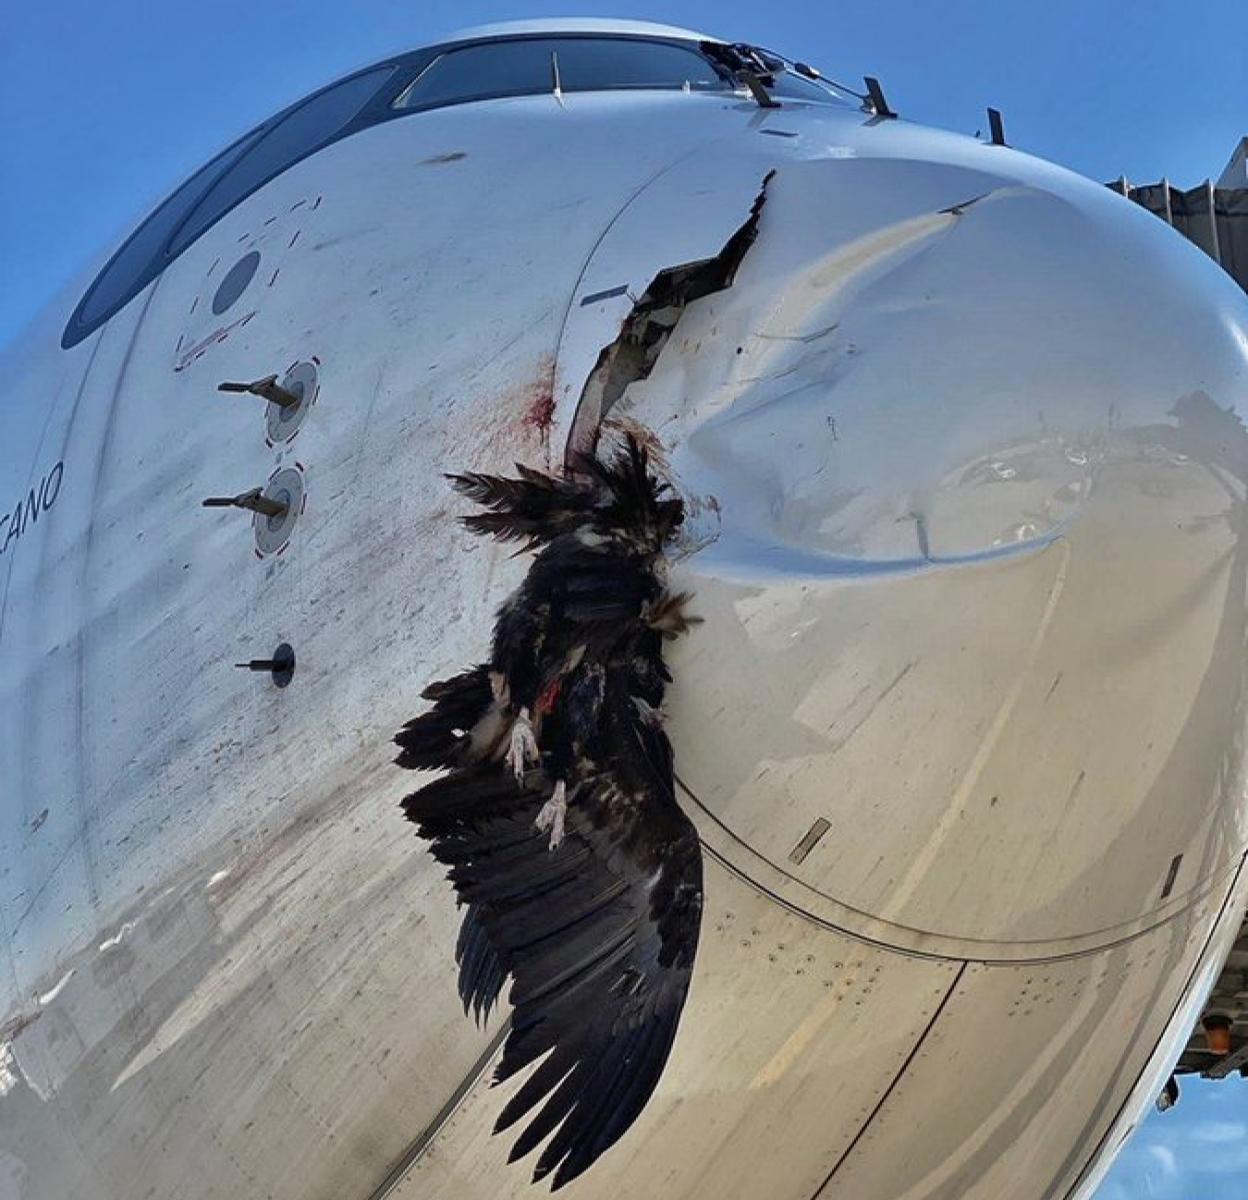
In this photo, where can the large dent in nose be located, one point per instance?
(958, 511)
(884, 361)
(912, 366)
(701, 211)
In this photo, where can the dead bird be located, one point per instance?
(580, 875)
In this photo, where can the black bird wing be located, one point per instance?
(462, 726)
(533, 509)
(598, 935)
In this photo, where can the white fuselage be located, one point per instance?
(962, 730)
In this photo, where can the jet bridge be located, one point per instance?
(1218, 1046)
(1213, 215)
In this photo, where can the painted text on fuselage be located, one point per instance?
(26, 512)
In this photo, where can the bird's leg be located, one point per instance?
(553, 812)
(523, 749)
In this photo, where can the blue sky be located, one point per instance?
(1196, 1151)
(104, 107)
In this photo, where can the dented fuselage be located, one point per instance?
(962, 730)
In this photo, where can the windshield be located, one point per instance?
(529, 66)
(438, 77)
(792, 84)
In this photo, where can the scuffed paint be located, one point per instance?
(8, 1069)
(111, 943)
(49, 996)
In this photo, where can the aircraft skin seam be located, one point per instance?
(888, 1091)
(907, 952)
(427, 1136)
(1095, 1155)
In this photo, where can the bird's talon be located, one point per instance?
(523, 749)
(552, 814)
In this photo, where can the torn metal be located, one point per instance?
(647, 328)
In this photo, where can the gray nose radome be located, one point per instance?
(969, 522)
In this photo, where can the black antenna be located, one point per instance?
(876, 94)
(281, 666)
(995, 128)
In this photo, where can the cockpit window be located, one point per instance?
(431, 77)
(575, 64)
(790, 85)
(296, 136)
(215, 189)
(131, 267)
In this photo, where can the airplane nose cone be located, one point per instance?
(968, 530)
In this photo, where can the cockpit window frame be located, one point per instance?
(687, 46)
(202, 182)
(405, 70)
